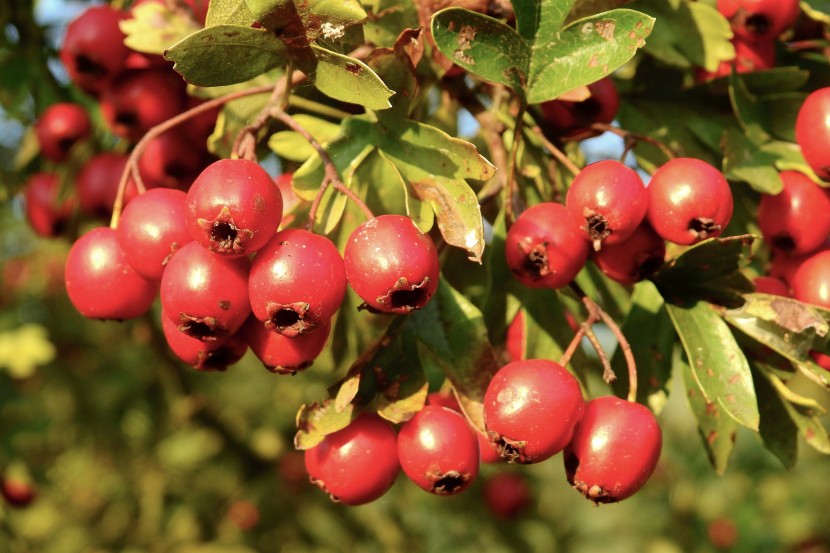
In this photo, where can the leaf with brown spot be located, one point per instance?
(317, 420)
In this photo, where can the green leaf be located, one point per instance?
(318, 420)
(778, 432)
(788, 156)
(349, 80)
(226, 54)
(584, 52)
(228, 12)
(748, 109)
(717, 363)
(717, 430)
(539, 20)
(153, 27)
(293, 146)
(451, 330)
(817, 9)
(649, 332)
(483, 46)
(745, 161)
(688, 33)
(25, 348)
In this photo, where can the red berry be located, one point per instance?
(97, 184)
(771, 285)
(634, 259)
(749, 56)
(795, 220)
(281, 354)
(204, 294)
(17, 493)
(614, 450)
(572, 120)
(689, 201)
(233, 207)
(531, 408)
(438, 450)
(357, 464)
(516, 338)
(759, 20)
(297, 282)
(140, 99)
(60, 127)
(391, 264)
(170, 160)
(812, 131)
(203, 356)
(821, 359)
(607, 200)
(486, 450)
(101, 283)
(151, 229)
(811, 282)
(544, 248)
(507, 495)
(47, 214)
(93, 50)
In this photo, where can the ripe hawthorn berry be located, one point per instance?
(17, 493)
(544, 248)
(297, 282)
(507, 495)
(811, 282)
(531, 408)
(356, 464)
(203, 356)
(204, 294)
(689, 201)
(572, 120)
(47, 214)
(100, 281)
(759, 20)
(233, 207)
(795, 220)
(812, 131)
(635, 258)
(140, 99)
(59, 128)
(487, 451)
(391, 264)
(516, 339)
(771, 285)
(170, 160)
(438, 450)
(614, 449)
(151, 228)
(93, 49)
(96, 184)
(749, 56)
(281, 354)
(607, 200)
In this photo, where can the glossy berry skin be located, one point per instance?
(93, 49)
(357, 464)
(204, 294)
(47, 214)
(140, 99)
(634, 259)
(486, 450)
(96, 184)
(607, 200)
(688, 201)
(749, 57)
(544, 248)
(60, 127)
(203, 356)
(281, 354)
(233, 207)
(101, 283)
(759, 20)
(507, 495)
(572, 120)
(812, 131)
(438, 450)
(297, 282)
(151, 229)
(531, 408)
(391, 264)
(614, 450)
(796, 219)
(516, 338)
(811, 282)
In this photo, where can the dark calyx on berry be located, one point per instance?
(447, 483)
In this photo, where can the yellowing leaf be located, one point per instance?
(23, 349)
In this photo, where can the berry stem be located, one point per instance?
(132, 162)
(555, 151)
(632, 139)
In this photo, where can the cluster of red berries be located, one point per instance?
(627, 223)
(194, 249)
(756, 26)
(135, 92)
(533, 409)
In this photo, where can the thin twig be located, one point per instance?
(556, 152)
(132, 161)
(634, 138)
